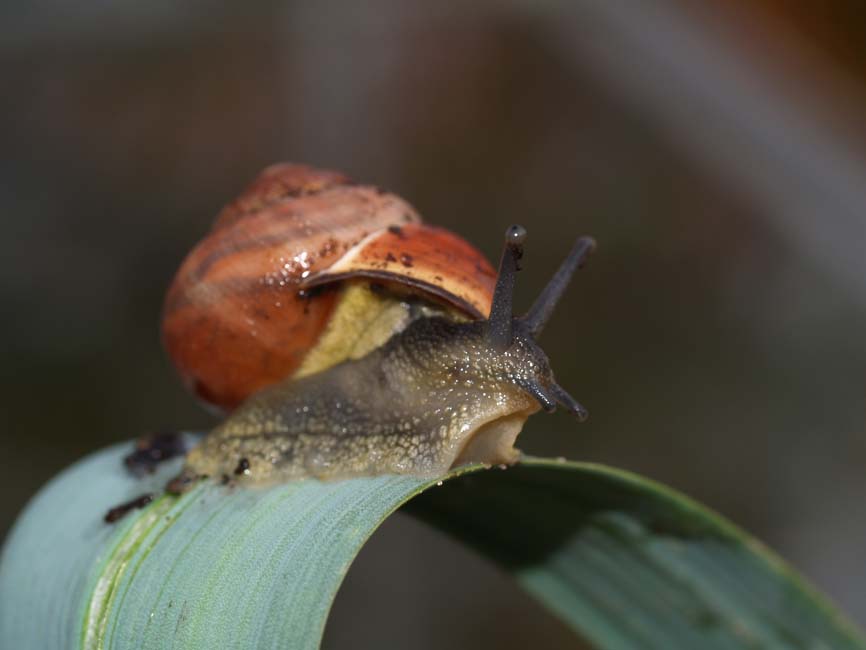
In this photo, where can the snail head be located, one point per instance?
(513, 338)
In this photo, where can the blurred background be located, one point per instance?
(717, 154)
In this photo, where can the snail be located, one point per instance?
(345, 338)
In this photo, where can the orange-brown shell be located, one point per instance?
(428, 259)
(241, 314)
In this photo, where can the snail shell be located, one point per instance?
(256, 298)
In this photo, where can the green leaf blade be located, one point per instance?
(243, 568)
(632, 564)
(48, 560)
(626, 562)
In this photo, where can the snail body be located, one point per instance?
(422, 385)
(411, 406)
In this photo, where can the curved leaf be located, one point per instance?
(632, 564)
(628, 563)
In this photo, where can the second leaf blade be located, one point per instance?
(631, 564)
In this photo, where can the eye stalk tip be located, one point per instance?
(515, 235)
(587, 243)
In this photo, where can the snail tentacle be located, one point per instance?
(541, 311)
(571, 405)
(499, 330)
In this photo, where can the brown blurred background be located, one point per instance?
(718, 156)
